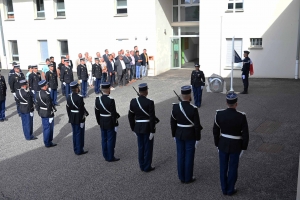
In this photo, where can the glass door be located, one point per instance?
(175, 52)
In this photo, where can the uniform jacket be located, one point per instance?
(14, 81)
(197, 78)
(34, 79)
(51, 78)
(135, 113)
(97, 71)
(144, 59)
(108, 122)
(231, 122)
(82, 72)
(3, 88)
(25, 100)
(54, 66)
(246, 66)
(44, 104)
(11, 72)
(127, 61)
(75, 108)
(66, 75)
(177, 117)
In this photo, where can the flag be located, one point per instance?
(237, 58)
(251, 68)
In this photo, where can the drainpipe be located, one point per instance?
(298, 49)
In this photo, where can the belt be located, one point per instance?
(75, 111)
(231, 136)
(23, 103)
(185, 126)
(107, 115)
(147, 120)
(43, 108)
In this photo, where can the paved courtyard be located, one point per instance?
(268, 169)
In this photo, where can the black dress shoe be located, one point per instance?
(151, 169)
(84, 152)
(114, 160)
(1, 120)
(5, 119)
(52, 145)
(244, 92)
(182, 181)
(34, 138)
(234, 192)
(193, 180)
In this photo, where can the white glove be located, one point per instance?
(31, 114)
(135, 134)
(116, 129)
(50, 120)
(218, 149)
(80, 81)
(64, 83)
(94, 78)
(81, 125)
(14, 94)
(49, 89)
(174, 138)
(151, 136)
(241, 153)
(32, 91)
(196, 144)
(202, 87)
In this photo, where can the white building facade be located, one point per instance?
(176, 33)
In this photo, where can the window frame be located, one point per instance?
(56, 10)
(179, 5)
(12, 55)
(121, 7)
(42, 60)
(8, 13)
(234, 9)
(60, 46)
(260, 40)
(36, 9)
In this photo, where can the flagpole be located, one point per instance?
(233, 56)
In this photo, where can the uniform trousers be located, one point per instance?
(97, 85)
(47, 131)
(108, 140)
(185, 159)
(78, 138)
(228, 170)
(18, 106)
(145, 149)
(245, 78)
(197, 95)
(137, 71)
(2, 109)
(53, 95)
(84, 88)
(27, 124)
(67, 90)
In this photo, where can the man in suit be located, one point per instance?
(34, 79)
(107, 118)
(141, 117)
(127, 60)
(186, 131)
(77, 115)
(3, 89)
(25, 99)
(46, 110)
(14, 84)
(97, 75)
(231, 137)
(138, 64)
(110, 70)
(51, 78)
(82, 74)
(144, 66)
(106, 55)
(66, 77)
(198, 83)
(121, 71)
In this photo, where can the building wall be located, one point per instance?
(275, 21)
(88, 27)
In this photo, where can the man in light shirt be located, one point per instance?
(132, 63)
(45, 69)
(89, 67)
(78, 60)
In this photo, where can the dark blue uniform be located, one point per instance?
(245, 73)
(77, 115)
(14, 83)
(34, 79)
(66, 77)
(25, 99)
(231, 136)
(198, 82)
(186, 128)
(63, 88)
(3, 89)
(51, 78)
(46, 110)
(82, 74)
(142, 122)
(97, 73)
(107, 118)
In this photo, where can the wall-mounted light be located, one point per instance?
(146, 38)
(165, 31)
(135, 38)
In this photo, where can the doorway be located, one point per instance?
(189, 52)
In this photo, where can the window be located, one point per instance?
(40, 11)
(185, 10)
(60, 8)
(256, 42)
(64, 49)
(9, 9)
(43, 47)
(14, 50)
(238, 45)
(189, 30)
(121, 6)
(235, 5)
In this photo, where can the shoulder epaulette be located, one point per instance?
(193, 105)
(80, 95)
(110, 97)
(220, 110)
(47, 92)
(241, 112)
